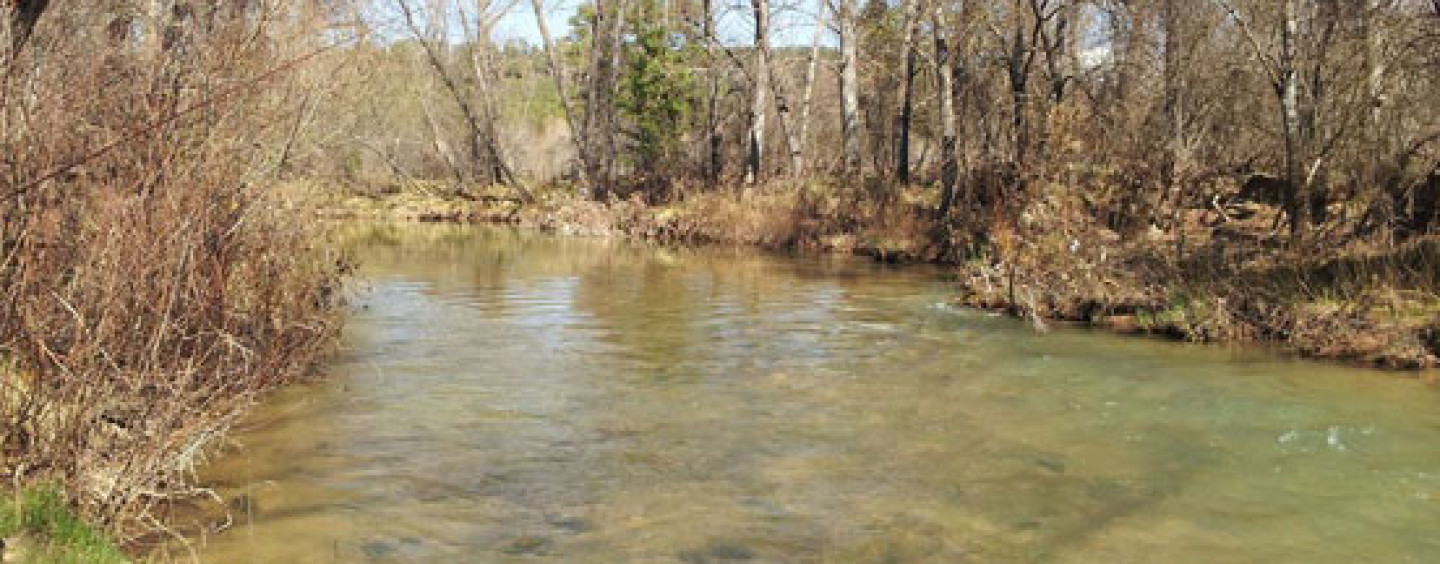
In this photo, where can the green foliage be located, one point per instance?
(575, 46)
(531, 101)
(655, 95)
(51, 532)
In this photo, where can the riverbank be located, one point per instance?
(39, 526)
(139, 329)
(1230, 282)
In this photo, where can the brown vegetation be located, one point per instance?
(1216, 170)
(1211, 170)
(151, 286)
(1374, 306)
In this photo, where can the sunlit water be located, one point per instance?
(513, 397)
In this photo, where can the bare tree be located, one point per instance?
(482, 65)
(714, 140)
(760, 92)
(849, 85)
(945, 92)
(1174, 91)
(1297, 202)
(1281, 68)
(1019, 62)
(562, 87)
(797, 151)
(907, 111)
(479, 121)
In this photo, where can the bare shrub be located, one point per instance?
(151, 287)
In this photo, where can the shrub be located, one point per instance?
(151, 287)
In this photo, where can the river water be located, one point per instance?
(513, 397)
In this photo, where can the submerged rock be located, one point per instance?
(1051, 463)
(717, 552)
(390, 549)
(379, 549)
(1029, 525)
(529, 545)
(571, 524)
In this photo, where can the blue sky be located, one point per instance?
(792, 21)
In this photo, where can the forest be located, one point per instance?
(1215, 171)
(1210, 170)
(1198, 104)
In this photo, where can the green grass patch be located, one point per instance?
(40, 527)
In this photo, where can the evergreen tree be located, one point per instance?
(654, 98)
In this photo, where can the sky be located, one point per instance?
(792, 21)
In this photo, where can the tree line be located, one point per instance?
(1325, 109)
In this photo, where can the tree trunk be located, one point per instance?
(1296, 199)
(1019, 74)
(907, 109)
(1374, 53)
(1174, 91)
(593, 108)
(849, 86)
(474, 130)
(562, 87)
(787, 125)
(1375, 85)
(437, 141)
(1122, 40)
(485, 77)
(714, 139)
(760, 92)
(1057, 46)
(1052, 38)
(617, 39)
(598, 128)
(24, 15)
(797, 154)
(944, 89)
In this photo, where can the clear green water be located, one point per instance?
(512, 397)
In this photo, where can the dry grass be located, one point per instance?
(1224, 282)
(151, 289)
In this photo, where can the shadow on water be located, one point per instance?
(512, 397)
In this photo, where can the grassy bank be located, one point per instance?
(1203, 281)
(39, 525)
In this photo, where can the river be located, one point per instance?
(506, 396)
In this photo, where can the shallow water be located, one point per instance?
(513, 397)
